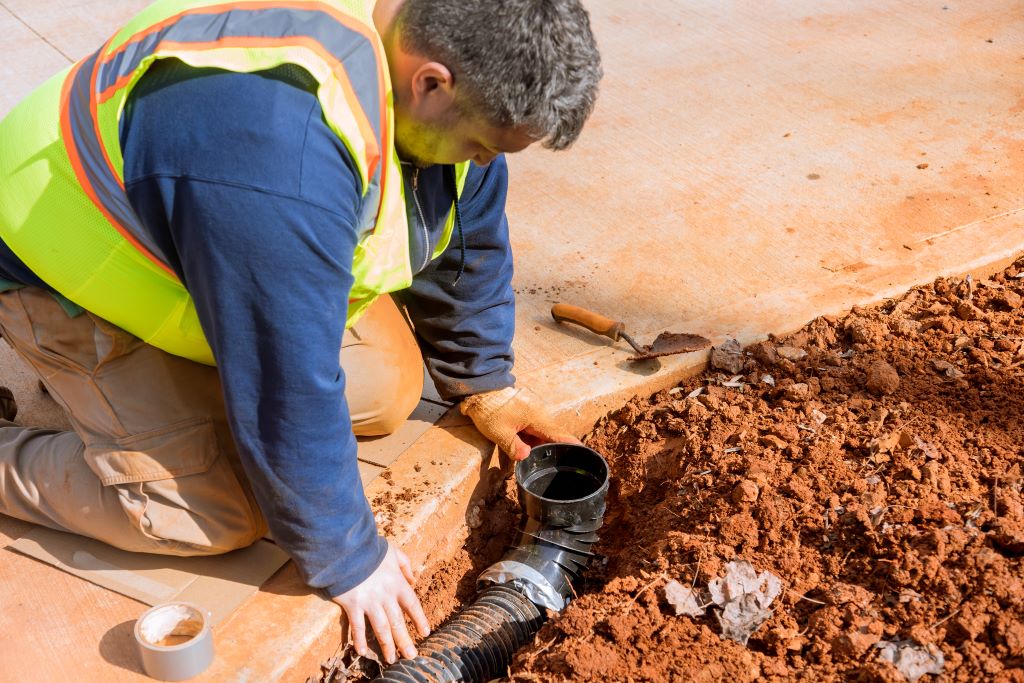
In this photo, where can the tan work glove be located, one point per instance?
(504, 414)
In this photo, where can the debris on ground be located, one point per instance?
(744, 596)
(892, 513)
(912, 660)
(684, 599)
(882, 378)
(727, 356)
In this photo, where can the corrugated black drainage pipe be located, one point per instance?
(562, 490)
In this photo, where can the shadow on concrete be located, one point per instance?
(117, 647)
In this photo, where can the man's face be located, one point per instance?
(455, 137)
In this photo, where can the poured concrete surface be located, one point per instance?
(749, 166)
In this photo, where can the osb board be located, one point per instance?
(749, 166)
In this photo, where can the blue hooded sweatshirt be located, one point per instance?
(254, 200)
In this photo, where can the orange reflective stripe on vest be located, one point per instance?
(235, 25)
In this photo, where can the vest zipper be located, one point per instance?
(423, 221)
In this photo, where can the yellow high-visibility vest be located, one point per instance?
(63, 208)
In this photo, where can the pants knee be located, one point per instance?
(383, 371)
(191, 537)
(201, 514)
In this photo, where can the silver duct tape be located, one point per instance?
(175, 641)
(528, 581)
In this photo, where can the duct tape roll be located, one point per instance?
(175, 641)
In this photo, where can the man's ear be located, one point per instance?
(433, 90)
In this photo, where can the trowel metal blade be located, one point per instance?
(668, 343)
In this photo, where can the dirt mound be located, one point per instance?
(872, 462)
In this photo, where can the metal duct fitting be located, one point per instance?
(562, 490)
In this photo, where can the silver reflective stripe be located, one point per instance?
(352, 49)
(104, 183)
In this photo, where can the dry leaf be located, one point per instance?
(912, 660)
(744, 596)
(684, 600)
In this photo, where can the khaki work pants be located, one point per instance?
(151, 465)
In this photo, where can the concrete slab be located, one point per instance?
(384, 450)
(750, 160)
(749, 166)
(26, 60)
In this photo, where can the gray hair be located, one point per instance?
(522, 63)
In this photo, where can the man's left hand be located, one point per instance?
(514, 419)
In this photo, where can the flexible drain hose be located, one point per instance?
(562, 489)
(477, 645)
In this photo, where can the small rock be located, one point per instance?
(675, 425)
(882, 379)
(785, 431)
(772, 441)
(962, 342)
(791, 353)
(946, 368)
(764, 353)
(944, 323)
(965, 310)
(861, 332)
(976, 355)
(1008, 534)
(795, 392)
(1008, 299)
(853, 644)
(905, 327)
(845, 593)
(728, 356)
(745, 492)
(935, 475)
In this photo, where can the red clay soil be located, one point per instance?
(879, 478)
(871, 461)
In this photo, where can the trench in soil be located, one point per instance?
(871, 461)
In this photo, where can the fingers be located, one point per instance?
(519, 450)
(551, 433)
(398, 629)
(411, 604)
(405, 565)
(382, 629)
(357, 623)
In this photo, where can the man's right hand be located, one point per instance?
(385, 597)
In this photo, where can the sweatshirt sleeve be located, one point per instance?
(258, 206)
(465, 328)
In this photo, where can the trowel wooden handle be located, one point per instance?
(595, 322)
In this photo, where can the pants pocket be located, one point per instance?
(179, 492)
(177, 450)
